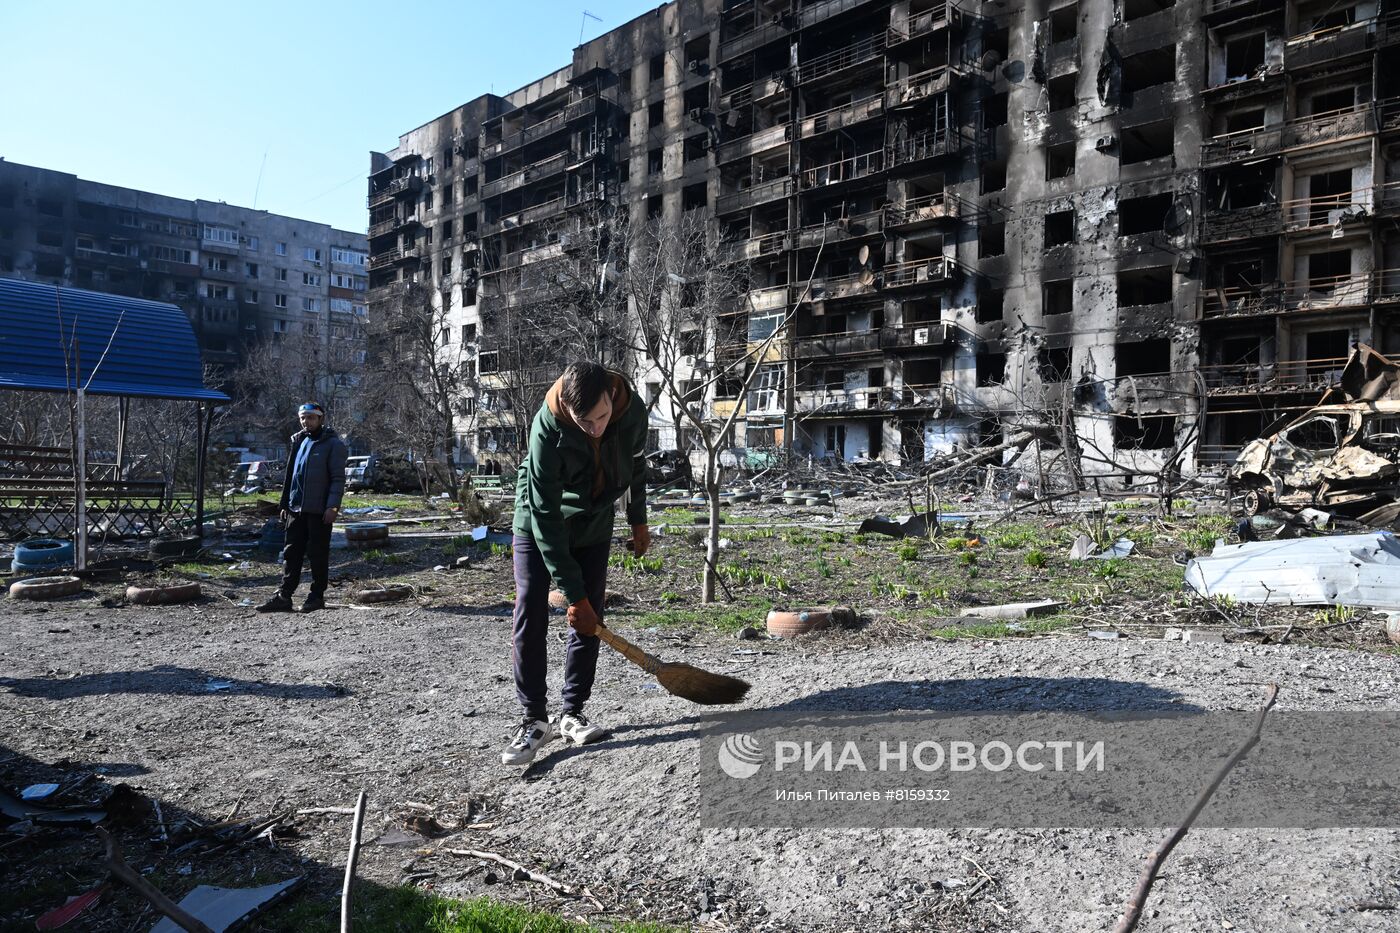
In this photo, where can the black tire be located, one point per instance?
(45, 587)
(1256, 501)
(163, 595)
(184, 546)
(366, 531)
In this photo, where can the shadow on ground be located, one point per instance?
(164, 679)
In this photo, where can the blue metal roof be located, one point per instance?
(153, 353)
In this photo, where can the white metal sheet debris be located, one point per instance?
(1343, 570)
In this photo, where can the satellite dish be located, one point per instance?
(864, 255)
(867, 278)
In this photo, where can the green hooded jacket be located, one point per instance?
(564, 496)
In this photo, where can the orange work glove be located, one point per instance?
(640, 542)
(583, 619)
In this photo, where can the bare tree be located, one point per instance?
(281, 373)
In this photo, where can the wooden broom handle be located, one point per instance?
(647, 662)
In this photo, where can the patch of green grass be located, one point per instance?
(222, 570)
(500, 550)
(1014, 537)
(797, 538)
(723, 618)
(670, 596)
(1110, 568)
(822, 568)
(680, 516)
(834, 537)
(637, 565)
(954, 544)
(747, 574)
(411, 910)
(1206, 529)
(862, 539)
(1334, 615)
(1036, 558)
(907, 552)
(1037, 626)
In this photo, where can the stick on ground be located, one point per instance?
(350, 864)
(1133, 912)
(534, 876)
(125, 873)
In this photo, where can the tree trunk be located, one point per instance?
(711, 486)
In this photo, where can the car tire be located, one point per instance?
(45, 587)
(163, 595)
(366, 531)
(184, 546)
(38, 553)
(1257, 501)
(790, 624)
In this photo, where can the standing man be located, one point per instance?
(311, 493)
(586, 451)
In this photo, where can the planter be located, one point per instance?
(45, 587)
(790, 624)
(162, 595)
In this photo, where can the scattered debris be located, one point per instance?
(1013, 610)
(747, 633)
(521, 873)
(1083, 549)
(902, 526)
(71, 908)
(1342, 570)
(1104, 635)
(384, 594)
(1201, 637)
(17, 809)
(220, 909)
(37, 791)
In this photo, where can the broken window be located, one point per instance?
(1144, 357)
(1149, 69)
(1136, 9)
(693, 197)
(656, 68)
(994, 110)
(1328, 344)
(654, 161)
(656, 114)
(993, 177)
(1147, 141)
(1320, 433)
(1057, 297)
(1059, 160)
(1241, 186)
(1059, 228)
(1053, 363)
(990, 305)
(991, 369)
(925, 372)
(1145, 432)
(1244, 56)
(696, 147)
(1243, 120)
(1327, 192)
(1148, 286)
(1143, 215)
(1064, 23)
(1325, 269)
(1331, 101)
(1062, 91)
(991, 240)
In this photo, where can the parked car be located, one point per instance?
(393, 473)
(256, 476)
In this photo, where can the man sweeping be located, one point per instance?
(311, 493)
(586, 451)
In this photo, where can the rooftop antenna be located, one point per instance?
(584, 22)
(258, 186)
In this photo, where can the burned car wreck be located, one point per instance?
(1342, 456)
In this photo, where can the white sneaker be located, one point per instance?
(529, 736)
(577, 729)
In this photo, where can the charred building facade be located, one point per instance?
(1154, 222)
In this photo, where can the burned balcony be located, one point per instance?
(1330, 127)
(408, 184)
(938, 15)
(1349, 290)
(760, 28)
(936, 272)
(760, 91)
(760, 193)
(920, 87)
(840, 229)
(771, 298)
(544, 168)
(385, 257)
(1219, 12)
(1241, 300)
(1327, 211)
(866, 51)
(844, 115)
(835, 400)
(755, 143)
(1281, 376)
(939, 208)
(838, 287)
(1249, 144)
(930, 145)
(768, 244)
(850, 343)
(844, 170)
(815, 12)
(916, 336)
(1325, 46)
(1385, 287)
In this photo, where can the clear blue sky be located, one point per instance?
(185, 98)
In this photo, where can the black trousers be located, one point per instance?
(308, 536)
(530, 648)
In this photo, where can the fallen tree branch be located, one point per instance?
(350, 860)
(535, 876)
(1133, 912)
(126, 874)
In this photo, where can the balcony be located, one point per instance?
(1241, 300)
(761, 193)
(837, 287)
(843, 116)
(219, 275)
(915, 336)
(939, 272)
(1331, 127)
(840, 229)
(1283, 376)
(1385, 289)
(1329, 45)
(527, 175)
(754, 143)
(385, 257)
(1338, 291)
(924, 24)
(1388, 29)
(1216, 12)
(409, 184)
(844, 170)
(919, 87)
(838, 400)
(1260, 220)
(757, 92)
(814, 13)
(541, 129)
(383, 227)
(1254, 143)
(931, 144)
(1386, 202)
(769, 244)
(853, 55)
(850, 343)
(772, 298)
(929, 210)
(753, 39)
(1302, 215)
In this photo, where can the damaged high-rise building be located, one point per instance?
(1151, 224)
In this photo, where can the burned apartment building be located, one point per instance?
(1149, 223)
(242, 276)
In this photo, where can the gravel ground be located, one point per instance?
(414, 704)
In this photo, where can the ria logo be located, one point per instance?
(740, 756)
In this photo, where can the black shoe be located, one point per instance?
(313, 602)
(278, 603)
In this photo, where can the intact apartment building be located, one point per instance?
(242, 276)
(1162, 221)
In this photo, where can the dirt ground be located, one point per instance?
(211, 707)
